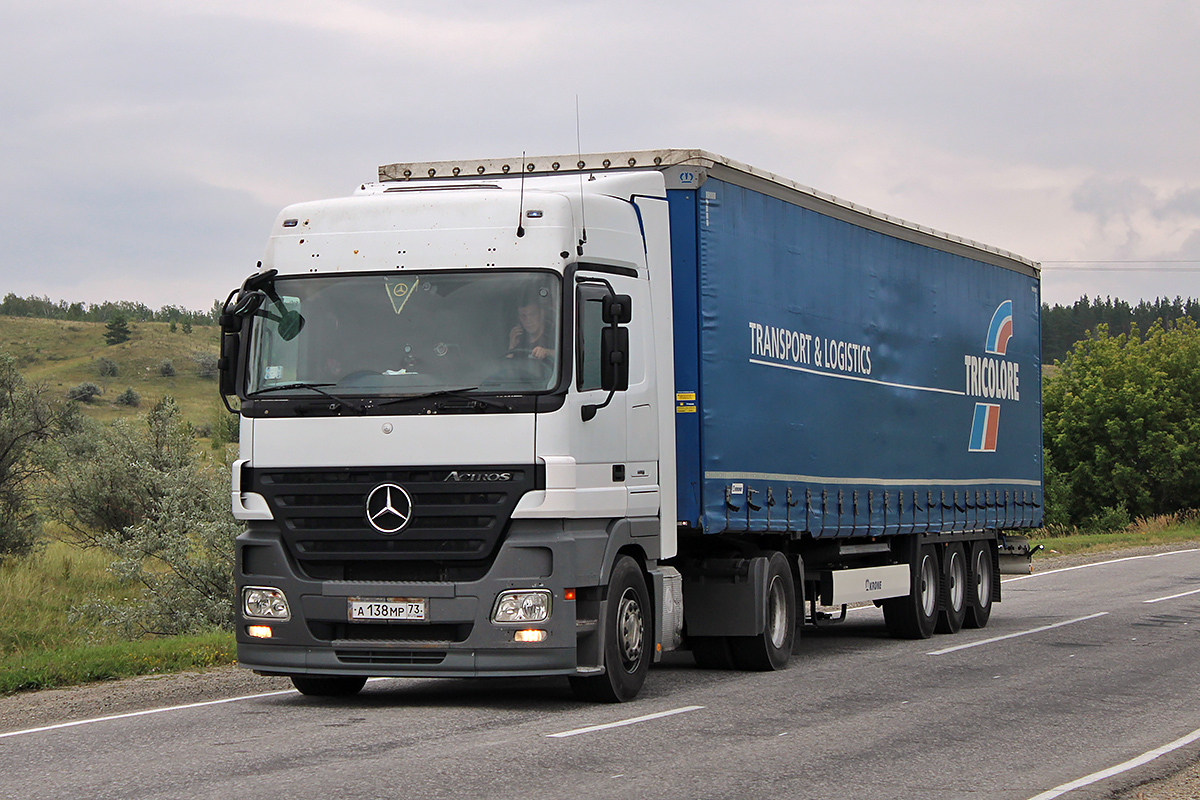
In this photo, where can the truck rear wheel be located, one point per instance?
(627, 638)
(771, 649)
(329, 685)
(915, 615)
(979, 583)
(954, 589)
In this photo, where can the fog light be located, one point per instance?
(263, 602)
(531, 635)
(259, 631)
(531, 605)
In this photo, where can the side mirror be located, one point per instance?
(614, 358)
(618, 309)
(227, 364)
(290, 325)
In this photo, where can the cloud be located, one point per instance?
(158, 140)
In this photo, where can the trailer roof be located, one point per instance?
(721, 168)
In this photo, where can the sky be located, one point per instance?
(146, 146)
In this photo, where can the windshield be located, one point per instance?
(408, 333)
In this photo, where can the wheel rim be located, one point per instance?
(928, 585)
(957, 575)
(983, 579)
(777, 616)
(630, 630)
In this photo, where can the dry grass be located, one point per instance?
(63, 354)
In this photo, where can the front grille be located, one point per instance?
(390, 631)
(456, 517)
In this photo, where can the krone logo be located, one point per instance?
(389, 508)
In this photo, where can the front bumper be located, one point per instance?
(457, 638)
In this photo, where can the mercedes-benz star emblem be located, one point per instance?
(389, 508)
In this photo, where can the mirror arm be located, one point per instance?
(589, 411)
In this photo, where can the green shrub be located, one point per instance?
(166, 369)
(206, 364)
(1121, 429)
(129, 398)
(162, 508)
(85, 392)
(107, 367)
(28, 420)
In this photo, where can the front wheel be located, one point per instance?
(329, 685)
(627, 639)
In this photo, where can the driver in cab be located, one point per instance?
(531, 337)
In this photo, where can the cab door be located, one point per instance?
(599, 444)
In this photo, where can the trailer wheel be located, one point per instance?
(329, 685)
(627, 640)
(771, 649)
(915, 615)
(979, 585)
(954, 587)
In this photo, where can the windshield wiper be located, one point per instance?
(460, 393)
(316, 387)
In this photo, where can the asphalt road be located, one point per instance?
(857, 715)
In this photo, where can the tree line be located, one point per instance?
(1063, 326)
(45, 308)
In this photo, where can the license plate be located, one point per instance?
(386, 608)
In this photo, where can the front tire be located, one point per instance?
(627, 639)
(329, 685)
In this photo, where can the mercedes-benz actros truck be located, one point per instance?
(560, 415)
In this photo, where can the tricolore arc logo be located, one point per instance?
(1001, 329)
(994, 379)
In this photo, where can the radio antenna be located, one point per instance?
(521, 202)
(579, 164)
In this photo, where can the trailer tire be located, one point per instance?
(329, 685)
(771, 649)
(915, 615)
(979, 585)
(627, 638)
(954, 589)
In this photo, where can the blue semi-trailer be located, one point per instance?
(557, 416)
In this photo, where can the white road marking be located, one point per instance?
(1144, 758)
(623, 722)
(143, 713)
(1099, 564)
(1015, 635)
(1172, 597)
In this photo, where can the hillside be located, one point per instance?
(62, 354)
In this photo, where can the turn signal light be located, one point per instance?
(259, 631)
(568, 594)
(531, 635)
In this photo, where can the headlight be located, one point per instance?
(263, 602)
(531, 605)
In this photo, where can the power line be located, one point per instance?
(1127, 265)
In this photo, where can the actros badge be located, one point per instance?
(389, 508)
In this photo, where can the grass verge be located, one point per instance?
(68, 666)
(1142, 533)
